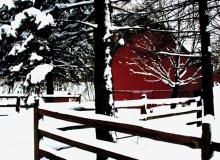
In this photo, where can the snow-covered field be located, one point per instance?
(16, 140)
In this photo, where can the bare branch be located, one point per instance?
(68, 6)
(181, 55)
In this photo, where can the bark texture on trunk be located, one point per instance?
(102, 75)
(207, 148)
(207, 81)
(174, 95)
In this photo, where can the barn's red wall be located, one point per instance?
(131, 86)
(61, 99)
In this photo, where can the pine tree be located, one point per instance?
(55, 44)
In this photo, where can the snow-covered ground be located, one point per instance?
(16, 140)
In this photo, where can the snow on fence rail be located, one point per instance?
(145, 101)
(18, 101)
(18, 98)
(172, 112)
(107, 123)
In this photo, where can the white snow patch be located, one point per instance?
(121, 42)
(16, 68)
(18, 21)
(209, 49)
(107, 22)
(207, 29)
(17, 48)
(38, 74)
(7, 29)
(208, 119)
(108, 71)
(21, 144)
(14, 50)
(23, 46)
(41, 19)
(34, 56)
(8, 3)
(30, 100)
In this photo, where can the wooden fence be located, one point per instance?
(108, 123)
(18, 98)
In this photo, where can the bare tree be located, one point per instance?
(178, 22)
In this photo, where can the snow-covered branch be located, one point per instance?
(38, 74)
(115, 1)
(172, 31)
(41, 20)
(69, 6)
(180, 55)
(115, 28)
(9, 3)
(157, 71)
(5, 22)
(154, 68)
(20, 48)
(16, 68)
(88, 24)
(7, 30)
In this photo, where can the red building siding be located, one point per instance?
(131, 86)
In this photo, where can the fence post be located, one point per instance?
(199, 113)
(18, 105)
(143, 108)
(37, 135)
(79, 98)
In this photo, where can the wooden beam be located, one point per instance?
(110, 123)
(3, 114)
(172, 114)
(13, 95)
(74, 127)
(49, 155)
(95, 146)
(37, 136)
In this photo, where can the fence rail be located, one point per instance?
(106, 123)
(145, 101)
(18, 98)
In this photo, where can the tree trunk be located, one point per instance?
(174, 95)
(38, 3)
(175, 89)
(50, 90)
(49, 77)
(102, 75)
(207, 81)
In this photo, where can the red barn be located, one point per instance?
(128, 85)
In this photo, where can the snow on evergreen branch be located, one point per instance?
(41, 19)
(38, 74)
(34, 56)
(9, 3)
(7, 30)
(16, 68)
